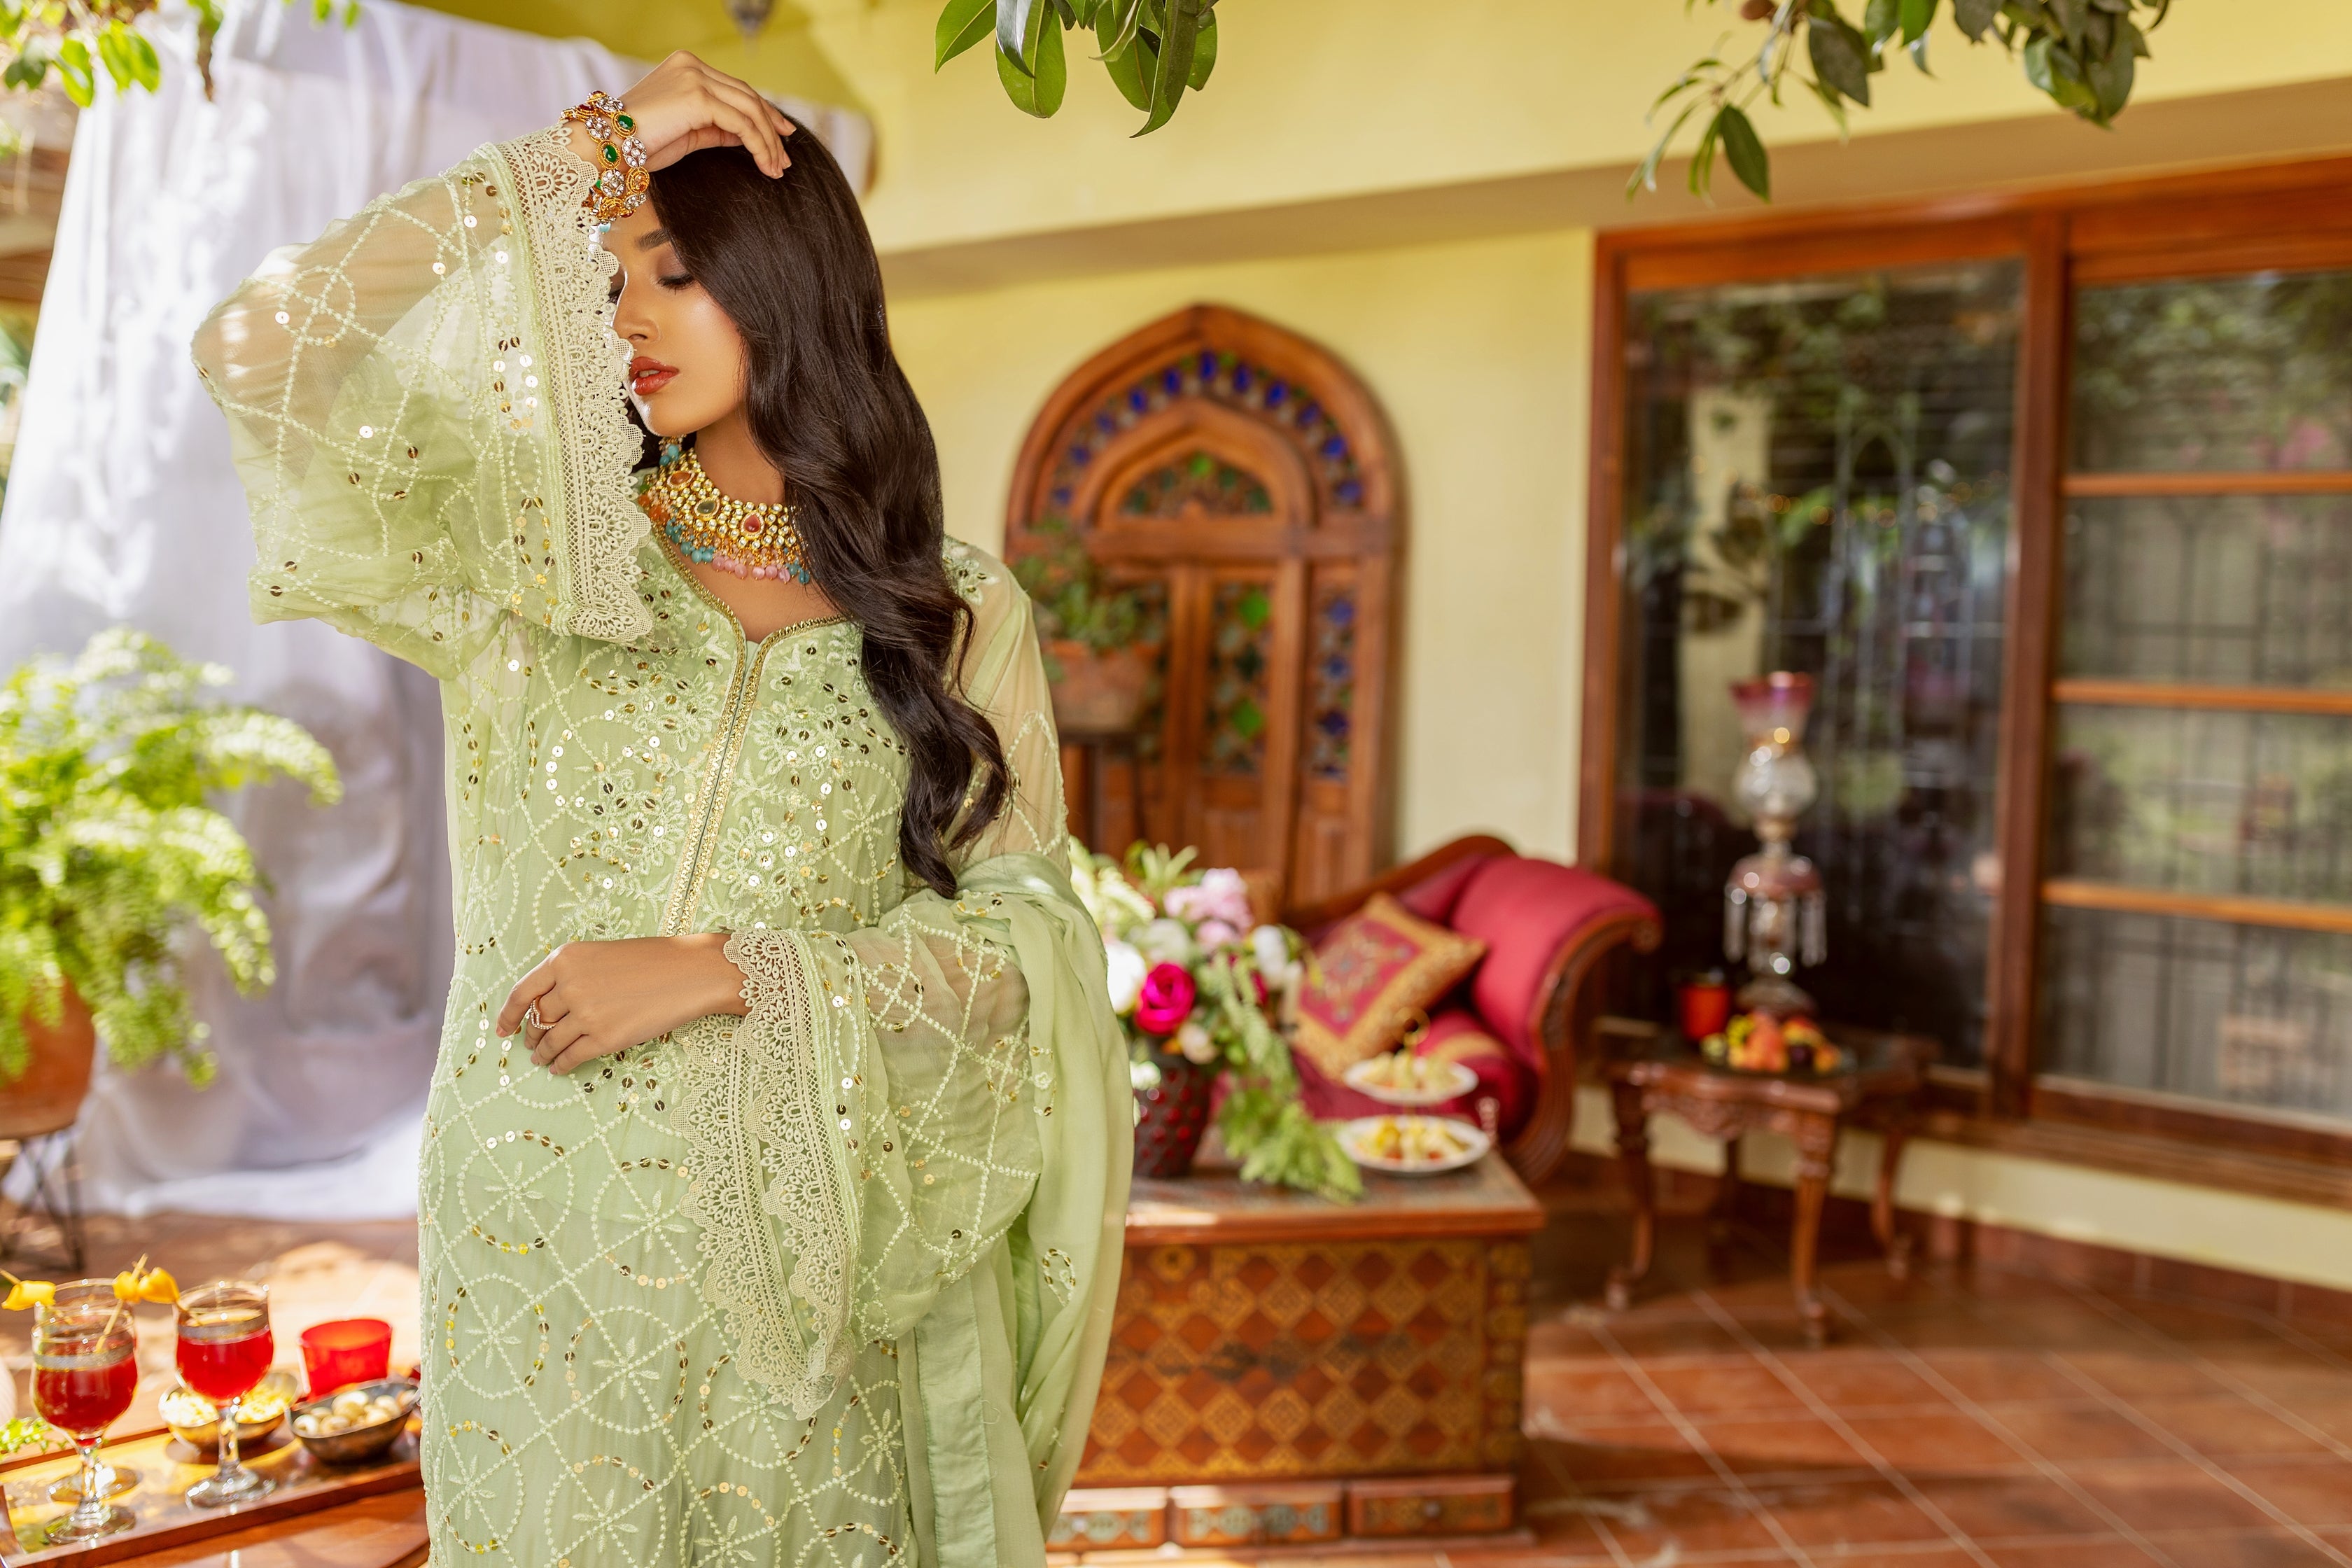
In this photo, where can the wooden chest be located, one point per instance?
(1265, 1336)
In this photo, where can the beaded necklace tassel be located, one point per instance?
(747, 538)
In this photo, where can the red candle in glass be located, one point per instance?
(220, 1362)
(1705, 1009)
(347, 1350)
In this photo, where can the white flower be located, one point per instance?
(1193, 1039)
(1271, 947)
(1166, 941)
(1127, 969)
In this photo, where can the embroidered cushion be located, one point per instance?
(1380, 972)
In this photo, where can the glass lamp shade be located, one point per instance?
(1775, 783)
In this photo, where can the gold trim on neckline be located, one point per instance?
(679, 564)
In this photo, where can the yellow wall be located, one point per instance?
(1479, 353)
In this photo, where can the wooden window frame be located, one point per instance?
(2289, 216)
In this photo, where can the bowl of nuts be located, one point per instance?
(196, 1420)
(354, 1424)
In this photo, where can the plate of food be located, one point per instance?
(1400, 1078)
(1413, 1145)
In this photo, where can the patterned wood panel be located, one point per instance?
(1255, 1360)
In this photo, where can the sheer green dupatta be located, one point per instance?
(425, 407)
(921, 1138)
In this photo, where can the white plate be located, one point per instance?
(1355, 1135)
(1460, 1082)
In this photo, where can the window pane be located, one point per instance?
(2228, 590)
(2255, 804)
(1817, 479)
(2244, 1014)
(2215, 373)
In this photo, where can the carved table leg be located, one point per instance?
(1726, 1195)
(1816, 1138)
(1896, 1133)
(1633, 1156)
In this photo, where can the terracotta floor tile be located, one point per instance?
(2003, 1375)
(2011, 1508)
(1579, 1394)
(2242, 1549)
(2159, 1494)
(2316, 1491)
(2136, 1372)
(2199, 1324)
(1829, 1516)
(1904, 1557)
(1772, 1444)
(1564, 1525)
(1712, 1388)
(2112, 1552)
(2068, 1433)
(1662, 1337)
(1668, 1525)
(1858, 1378)
(1620, 1456)
(1934, 1440)
(2228, 1425)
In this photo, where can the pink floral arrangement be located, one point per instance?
(1194, 973)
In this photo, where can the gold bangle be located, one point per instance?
(623, 182)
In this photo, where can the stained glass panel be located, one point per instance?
(1241, 670)
(1198, 481)
(1331, 682)
(2237, 373)
(1818, 480)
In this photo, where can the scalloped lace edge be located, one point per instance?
(761, 1182)
(586, 366)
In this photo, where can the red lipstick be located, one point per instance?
(647, 377)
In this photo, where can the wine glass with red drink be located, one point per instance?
(85, 1369)
(225, 1347)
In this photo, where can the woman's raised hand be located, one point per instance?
(682, 106)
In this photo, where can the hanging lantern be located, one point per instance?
(751, 16)
(1774, 914)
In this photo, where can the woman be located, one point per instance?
(785, 1229)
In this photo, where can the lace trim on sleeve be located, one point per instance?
(585, 368)
(763, 1183)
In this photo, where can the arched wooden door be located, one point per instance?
(1248, 478)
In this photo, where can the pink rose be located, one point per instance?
(1165, 1001)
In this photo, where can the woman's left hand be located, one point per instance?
(589, 999)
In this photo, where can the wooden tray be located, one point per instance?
(168, 1468)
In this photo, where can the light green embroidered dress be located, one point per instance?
(827, 1285)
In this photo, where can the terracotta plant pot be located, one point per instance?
(57, 1079)
(1097, 693)
(1175, 1115)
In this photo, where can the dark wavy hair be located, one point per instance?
(791, 263)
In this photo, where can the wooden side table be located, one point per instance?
(1881, 1091)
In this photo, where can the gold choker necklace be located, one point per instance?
(747, 538)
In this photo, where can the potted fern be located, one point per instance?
(1094, 636)
(108, 846)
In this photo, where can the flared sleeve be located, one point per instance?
(921, 1135)
(425, 404)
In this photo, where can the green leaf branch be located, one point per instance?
(79, 40)
(1154, 51)
(2082, 53)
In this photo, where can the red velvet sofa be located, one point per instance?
(1535, 998)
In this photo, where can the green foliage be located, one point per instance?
(30, 1434)
(1072, 597)
(80, 38)
(107, 844)
(1154, 51)
(1261, 1121)
(2082, 53)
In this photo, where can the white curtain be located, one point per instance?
(123, 506)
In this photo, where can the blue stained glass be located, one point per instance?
(1173, 378)
(1139, 400)
(1342, 611)
(1061, 495)
(1349, 490)
(1310, 414)
(1335, 446)
(1080, 455)
(1275, 393)
(1208, 364)
(1333, 723)
(1240, 378)
(1105, 423)
(1335, 668)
